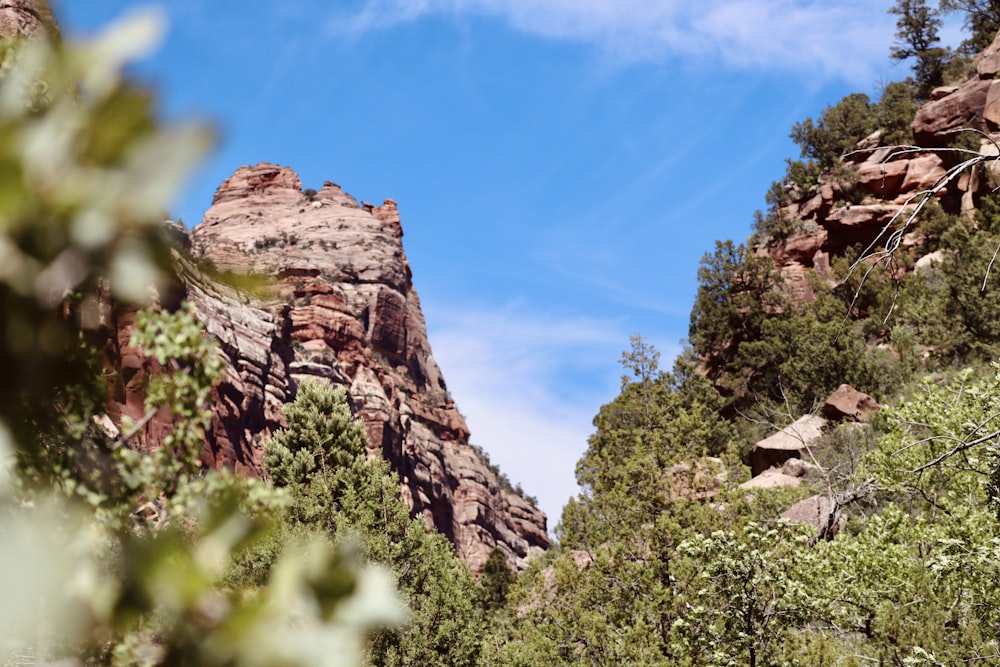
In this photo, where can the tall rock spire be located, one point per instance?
(345, 309)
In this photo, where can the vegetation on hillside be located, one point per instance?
(649, 572)
(110, 554)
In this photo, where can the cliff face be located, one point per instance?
(889, 179)
(345, 309)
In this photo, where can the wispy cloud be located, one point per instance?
(845, 39)
(529, 385)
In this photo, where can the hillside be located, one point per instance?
(751, 505)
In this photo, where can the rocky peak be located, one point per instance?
(344, 309)
(261, 182)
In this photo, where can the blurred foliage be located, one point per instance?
(86, 173)
(110, 554)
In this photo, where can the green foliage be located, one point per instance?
(322, 437)
(321, 457)
(760, 349)
(656, 421)
(736, 292)
(836, 132)
(749, 594)
(496, 579)
(802, 357)
(178, 343)
(917, 38)
(982, 22)
(894, 113)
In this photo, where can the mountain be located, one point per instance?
(339, 303)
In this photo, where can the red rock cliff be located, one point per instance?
(345, 310)
(888, 179)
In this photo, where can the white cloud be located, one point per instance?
(845, 39)
(529, 386)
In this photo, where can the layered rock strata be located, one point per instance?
(343, 308)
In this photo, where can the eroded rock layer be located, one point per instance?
(344, 309)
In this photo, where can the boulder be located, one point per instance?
(927, 263)
(882, 179)
(700, 479)
(988, 61)
(922, 173)
(961, 107)
(788, 443)
(773, 478)
(815, 511)
(846, 402)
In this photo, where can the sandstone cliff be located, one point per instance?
(344, 308)
(832, 218)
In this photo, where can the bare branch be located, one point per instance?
(136, 428)
(988, 268)
(958, 448)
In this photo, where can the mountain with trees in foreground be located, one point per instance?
(232, 446)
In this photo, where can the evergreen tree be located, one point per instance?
(982, 21)
(496, 579)
(737, 293)
(838, 129)
(917, 38)
(322, 458)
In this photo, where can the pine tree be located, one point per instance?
(322, 458)
(917, 37)
(982, 21)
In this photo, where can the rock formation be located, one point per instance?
(816, 511)
(700, 479)
(342, 307)
(790, 442)
(846, 402)
(839, 213)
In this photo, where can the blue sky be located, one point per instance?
(560, 165)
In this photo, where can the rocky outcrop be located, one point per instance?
(792, 472)
(247, 401)
(342, 307)
(818, 512)
(790, 442)
(700, 479)
(869, 199)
